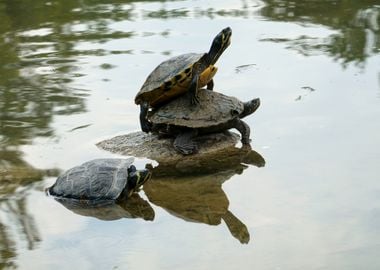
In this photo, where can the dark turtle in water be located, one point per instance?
(216, 113)
(180, 74)
(100, 180)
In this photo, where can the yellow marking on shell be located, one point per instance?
(179, 85)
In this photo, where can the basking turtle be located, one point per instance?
(216, 113)
(173, 77)
(100, 180)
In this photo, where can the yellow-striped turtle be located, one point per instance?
(180, 74)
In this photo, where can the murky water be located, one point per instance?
(69, 71)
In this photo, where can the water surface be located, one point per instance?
(69, 71)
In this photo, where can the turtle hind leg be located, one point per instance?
(146, 126)
(184, 143)
(244, 129)
(210, 85)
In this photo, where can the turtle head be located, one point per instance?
(250, 107)
(137, 178)
(220, 43)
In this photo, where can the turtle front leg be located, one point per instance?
(244, 129)
(184, 142)
(146, 126)
(210, 85)
(193, 90)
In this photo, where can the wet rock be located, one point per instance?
(216, 152)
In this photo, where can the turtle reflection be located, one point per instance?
(201, 198)
(133, 207)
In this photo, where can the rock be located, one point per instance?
(216, 152)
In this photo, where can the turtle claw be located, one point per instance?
(146, 126)
(194, 100)
(187, 150)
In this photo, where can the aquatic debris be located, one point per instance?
(79, 127)
(308, 88)
(243, 68)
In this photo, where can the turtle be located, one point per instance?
(180, 74)
(99, 181)
(216, 113)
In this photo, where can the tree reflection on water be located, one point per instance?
(39, 65)
(357, 26)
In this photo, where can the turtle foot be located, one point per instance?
(187, 151)
(194, 100)
(185, 144)
(146, 126)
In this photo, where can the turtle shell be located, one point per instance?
(170, 79)
(214, 109)
(98, 179)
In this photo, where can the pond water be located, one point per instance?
(69, 72)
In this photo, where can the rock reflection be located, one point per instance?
(201, 198)
(190, 187)
(356, 22)
(197, 199)
(134, 207)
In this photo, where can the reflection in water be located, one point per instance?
(15, 172)
(134, 207)
(226, 158)
(42, 45)
(34, 86)
(16, 225)
(357, 25)
(197, 198)
(201, 198)
(192, 198)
